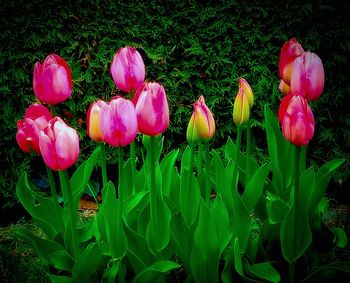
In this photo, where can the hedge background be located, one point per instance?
(193, 48)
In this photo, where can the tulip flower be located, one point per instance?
(296, 119)
(94, 115)
(52, 80)
(118, 122)
(289, 52)
(128, 69)
(59, 145)
(284, 88)
(202, 124)
(35, 119)
(152, 109)
(308, 76)
(243, 102)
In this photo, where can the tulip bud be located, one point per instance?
(52, 80)
(243, 84)
(59, 145)
(93, 115)
(243, 102)
(202, 124)
(290, 50)
(35, 119)
(296, 119)
(128, 69)
(308, 76)
(152, 109)
(119, 122)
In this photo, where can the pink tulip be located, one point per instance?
(52, 80)
(152, 109)
(119, 123)
(94, 117)
(308, 76)
(128, 69)
(290, 50)
(296, 119)
(202, 124)
(284, 88)
(35, 119)
(59, 145)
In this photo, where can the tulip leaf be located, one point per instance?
(127, 181)
(59, 279)
(167, 166)
(277, 209)
(132, 206)
(81, 176)
(155, 271)
(328, 273)
(111, 271)
(340, 238)
(254, 188)
(45, 211)
(263, 270)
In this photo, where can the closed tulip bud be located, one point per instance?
(243, 84)
(202, 124)
(152, 109)
(308, 76)
(128, 69)
(59, 145)
(94, 114)
(297, 120)
(119, 123)
(35, 119)
(284, 88)
(241, 108)
(290, 50)
(52, 80)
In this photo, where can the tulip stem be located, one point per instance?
(133, 166)
(190, 169)
(207, 173)
(69, 205)
(236, 157)
(120, 189)
(200, 157)
(248, 152)
(303, 159)
(103, 165)
(52, 184)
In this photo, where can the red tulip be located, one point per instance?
(119, 123)
(152, 109)
(284, 88)
(128, 69)
(307, 76)
(290, 50)
(35, 119)
(202, 124)
(94, 117)
(52, 80)
(59, 145)
(296, 119)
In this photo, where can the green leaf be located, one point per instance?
(340, 238)
(264, 271)
(82, 174)
(255, 186)
(328, 273)
(155, 271)
(277, 209)
(167, 166)
(111, 271)
(45, 211)
(132, 207)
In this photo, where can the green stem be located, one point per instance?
(207, 173)
(248, 152)
(153, 190)
(295, 207)
(120, 189)
(69, 205)
(52, 184)
(133, 166)
(200, 157)
(190, 169)
(237, 149)
(303, 159)
(103, 165)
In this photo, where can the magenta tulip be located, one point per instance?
(152, 109)
(52, 80)
(202, 124)
(128, 69)
(308, 76)
(296, 119)
(93, 120)
(59, 145)
(290, 50)
(118, 122)
(35, 119)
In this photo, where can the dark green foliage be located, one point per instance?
(191, 48)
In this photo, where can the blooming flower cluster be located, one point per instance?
(302, 79)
